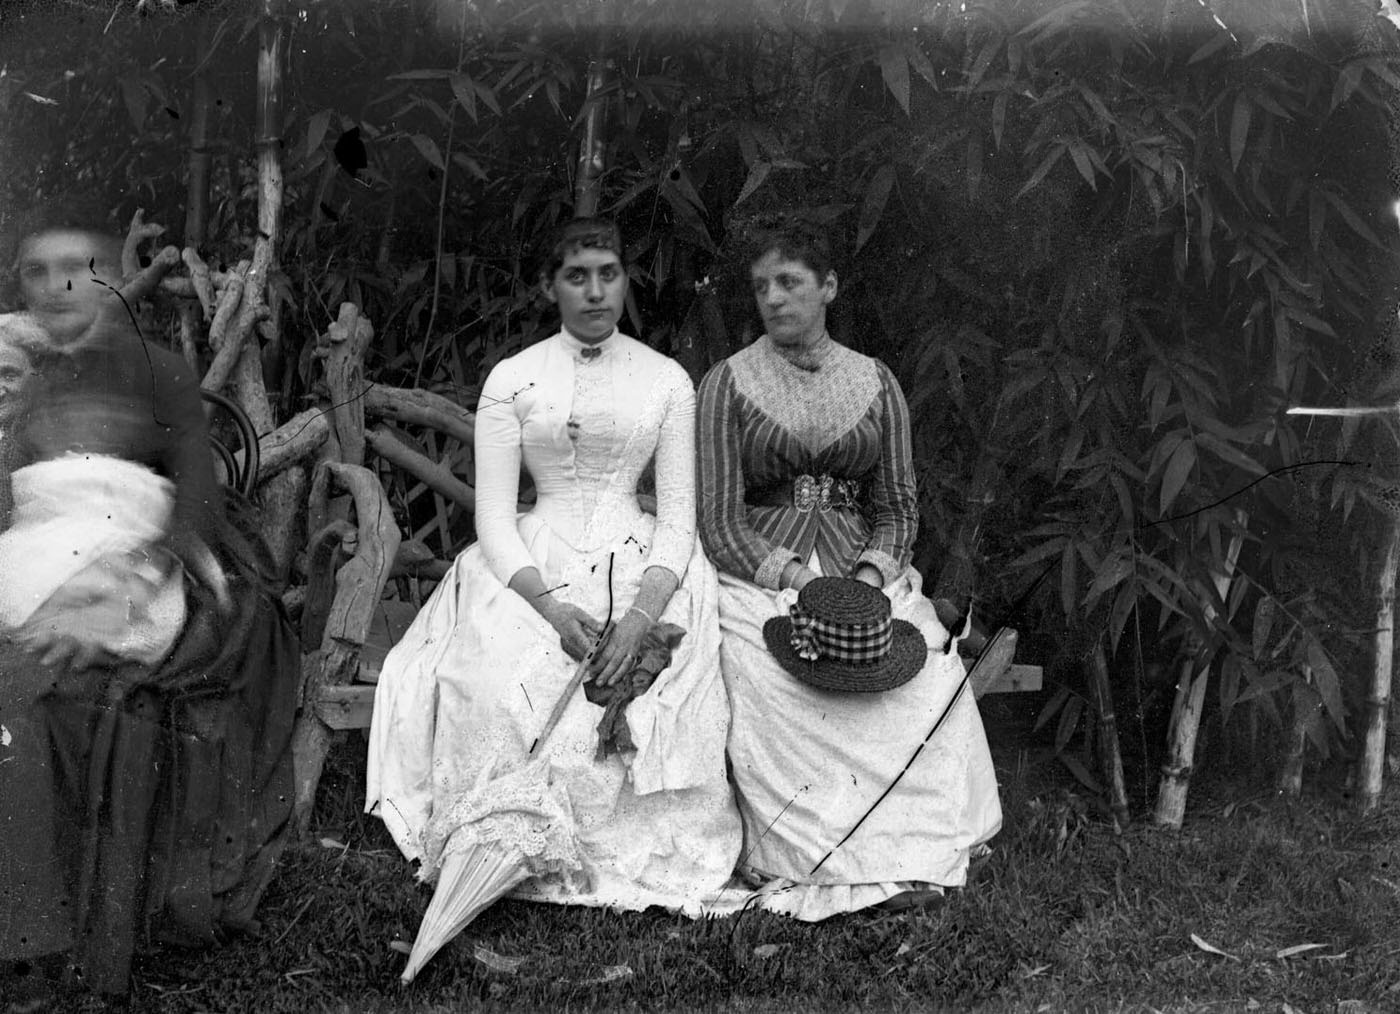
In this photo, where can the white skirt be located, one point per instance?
(467, 690)
(808, 764)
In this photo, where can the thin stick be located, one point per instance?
(890, 788)
(562, 704)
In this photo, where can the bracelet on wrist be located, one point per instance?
(639, 609)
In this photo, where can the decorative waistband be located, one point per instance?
(807, 493)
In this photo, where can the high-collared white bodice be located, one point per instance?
(585, 428)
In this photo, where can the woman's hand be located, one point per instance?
(797, 575)
(624, 646)
(870, 574)
(577, 630)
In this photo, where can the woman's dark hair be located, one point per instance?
(794, 240)
(581, 234)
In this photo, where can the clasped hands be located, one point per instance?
(618, 652)
(797, 575)
(106, 594)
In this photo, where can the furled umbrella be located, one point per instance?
(510, 826)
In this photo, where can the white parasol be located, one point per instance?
(469, 881)
(508, 827)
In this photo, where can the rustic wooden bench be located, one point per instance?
(352, 705)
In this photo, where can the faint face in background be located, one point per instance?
(66, 278)
(589, 288)
(20, 337)
(15, 370)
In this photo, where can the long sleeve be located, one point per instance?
(675, 481)
(497, 448)
(893, 494)
(731, 542)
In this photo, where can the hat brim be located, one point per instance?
(906, 657)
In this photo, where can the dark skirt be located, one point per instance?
(140, 803)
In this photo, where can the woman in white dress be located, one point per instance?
(806, 470)
(468, 689)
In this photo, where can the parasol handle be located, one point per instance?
(563, 702)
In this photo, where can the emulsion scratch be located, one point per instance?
(527, 698)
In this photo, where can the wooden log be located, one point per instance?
(1372, 764)
(1110, 754)
(1186, 708)
(436, 477)
(359, 586)
(422, 408)
(183, 288)
(296, 439)
(1014, 679)
(341, 351)
(137, 233)
(199, 278)
(227, 348)
(189, 335)
(327, 550)
(349, 706)
(144, 281)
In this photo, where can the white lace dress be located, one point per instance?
(469, 687)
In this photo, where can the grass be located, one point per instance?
(1066, 915)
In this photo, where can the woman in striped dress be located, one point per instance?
(806, 470)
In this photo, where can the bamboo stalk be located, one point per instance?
(592, 148)
(1372, 765)
(1186, 708)
(200, 157)
(1110, 754)
(1290, 779)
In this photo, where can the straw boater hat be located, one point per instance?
(840, 636)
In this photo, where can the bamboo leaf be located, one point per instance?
(1353, 219)
(1325, 681)
(1069, 578)
(1230, 455)
(874, 205)
(1082, 163)
(1115, 570)
(1296, 949)
(465, 93)
(1309, 321)
(1215, 45)
(428, 148)
(894, 68)
(999, 116)
(1347, 80)
(1041, 171)
(1174, 476)
(1080, 772)
(1069, 722)
(1239, 128)
(757, 175)
(1053, 705)
(316, 128)
(1070, 452)
(1042, 552)
(1122, 608)
(1211, 948)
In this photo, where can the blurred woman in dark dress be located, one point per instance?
(149, 791)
